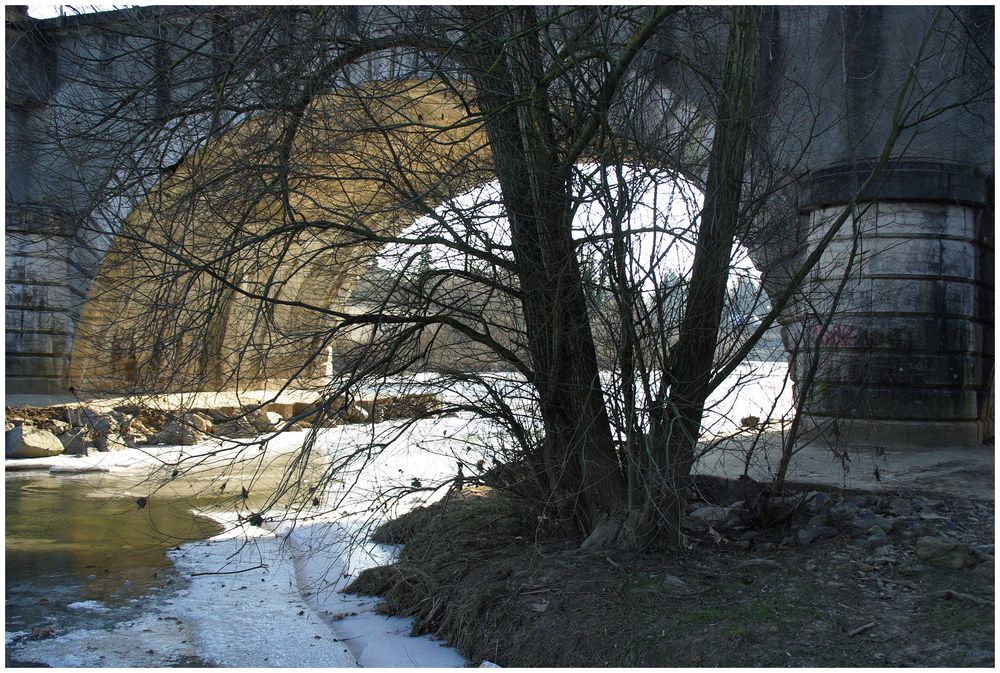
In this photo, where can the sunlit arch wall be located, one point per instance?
(223, 239)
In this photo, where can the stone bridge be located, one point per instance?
(908, 353)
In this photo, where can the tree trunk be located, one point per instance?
(580, 463)
(692, 358)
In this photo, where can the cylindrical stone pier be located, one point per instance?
(907, 356)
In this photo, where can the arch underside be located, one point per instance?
(231, 270)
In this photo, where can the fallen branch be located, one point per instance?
(959, 596)
(861, 629)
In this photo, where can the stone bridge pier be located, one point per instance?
(893, 341)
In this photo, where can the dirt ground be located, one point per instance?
(476, 572)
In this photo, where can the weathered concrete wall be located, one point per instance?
(906, 357)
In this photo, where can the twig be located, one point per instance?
(959, 596)
(230, 572)
(861, 629)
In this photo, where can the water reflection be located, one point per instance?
(76, 539)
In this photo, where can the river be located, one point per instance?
(80, 555)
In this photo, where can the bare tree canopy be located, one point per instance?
(280, 196)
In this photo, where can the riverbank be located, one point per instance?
(252, 598)
(263, 581)
(482, 574)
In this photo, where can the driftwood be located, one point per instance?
(861, 629)
(959, 596)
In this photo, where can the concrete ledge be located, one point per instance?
(926, 181)
(872, 434)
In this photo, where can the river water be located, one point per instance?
(80, 554)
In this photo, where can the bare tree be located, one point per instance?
(285, 184)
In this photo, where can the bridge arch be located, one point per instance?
(811, 54)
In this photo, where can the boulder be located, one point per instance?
(238, 427)
(275, 418)
(139, 428)
(812, 531)
(179, 434)
(899, 507)
(55, 426)
(866, 519)
(354, 414)
(843, 511)
(721, 517)
(816, 501)
(85, 417)
(134, 439)
(198, 421)
(877, 537)
(943, 552)
(25, 441)
(112, 441)
(283, 409)
(260, 420)
(77, 441)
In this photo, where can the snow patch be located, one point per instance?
(94, 606)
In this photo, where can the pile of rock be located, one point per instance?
(51, 431)
(40, 432)
(880, 524)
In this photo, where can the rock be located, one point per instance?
(843, 511)
(943, 552)
(238, 427)
(77, 441)
(123, 421)
(899, 507)
(354, 414)
(816, 500)
(221, 414)
(759, 564)
(877, 538)
(811, 531)
(674, 581)
(139, 428)
(55, 426)
(25, 441)
(198, 421)
(275, 418)
(283, 409)
(180, 434)
(259, 419)
(721, 517)
(85, 417)
(866, 519)
(110, 442)
(819, 519)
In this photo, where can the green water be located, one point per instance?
(83, 538)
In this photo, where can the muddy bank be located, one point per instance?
(821, 587)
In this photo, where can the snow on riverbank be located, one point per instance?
(272, 598)
(257, 598)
